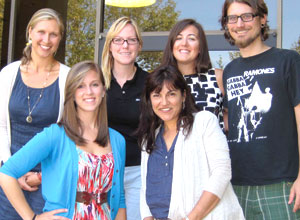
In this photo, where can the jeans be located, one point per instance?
(132, 186)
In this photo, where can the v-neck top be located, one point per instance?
(160, 176)
(45, 112)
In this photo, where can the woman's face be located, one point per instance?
(186, 46)
(167, 104)
(45, 36)
(125, 52)
(89, 94)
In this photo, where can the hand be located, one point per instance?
(23, 183)
(52, 215)
(149, 218)
(33, 179)
(295, 192)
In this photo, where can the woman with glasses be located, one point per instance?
(125, 82)
(187, 50)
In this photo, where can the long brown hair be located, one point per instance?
(70, 120)
(260, 8)
(203, 63)
(149, 121)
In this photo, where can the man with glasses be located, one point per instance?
(263, 101)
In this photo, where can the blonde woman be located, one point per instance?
(125, 82)
(29, 89)
(82, 159)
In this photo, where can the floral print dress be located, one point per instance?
(95, 176)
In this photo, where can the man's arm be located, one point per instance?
(295, 190)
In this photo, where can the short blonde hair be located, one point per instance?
(107, 58)
(41, 15)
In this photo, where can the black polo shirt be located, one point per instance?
(123, 110)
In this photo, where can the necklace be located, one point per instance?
(30, 110)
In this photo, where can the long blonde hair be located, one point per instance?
(40, 15)
(107, 58)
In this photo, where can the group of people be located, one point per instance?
(119, 143)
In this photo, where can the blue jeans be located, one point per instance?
(132, 187)
(34, 199)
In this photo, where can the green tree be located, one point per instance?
(234, 55)
(296, 45)
(161, 16)
(1, 22)
(220, 62)
(80, 31)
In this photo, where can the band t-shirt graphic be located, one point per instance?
(252, 101)
(261, 93)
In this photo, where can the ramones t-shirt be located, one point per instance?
(261, 93)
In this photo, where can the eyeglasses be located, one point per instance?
(120, 41)
(232, 19)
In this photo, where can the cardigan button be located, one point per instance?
(112, 209)
(113, 196)
(114, 183)
(117, 171)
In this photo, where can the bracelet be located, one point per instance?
(34, 217)
(39, 175)
(187, 218)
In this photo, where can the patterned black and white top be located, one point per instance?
(206, 93)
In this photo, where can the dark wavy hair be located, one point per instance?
(260, 8)
(203, 63)
(149, 121)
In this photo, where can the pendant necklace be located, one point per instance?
(30, 110)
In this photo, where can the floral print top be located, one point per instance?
(95, 176)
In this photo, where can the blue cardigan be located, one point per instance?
(59, 160)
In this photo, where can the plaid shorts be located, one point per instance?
(266, 202)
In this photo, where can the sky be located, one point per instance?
(208, 12)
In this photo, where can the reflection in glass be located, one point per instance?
(290, 25)
(80, 31)
(149, 60)
(208, 13)
(160, 16)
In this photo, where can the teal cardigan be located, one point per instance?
(59, 159)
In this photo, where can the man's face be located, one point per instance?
(244, 33)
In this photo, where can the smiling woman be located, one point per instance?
(185, 164)
(124, 80)
(29, 88)
(89, 94)
(187, 50)
(79, 155)
(45, 37)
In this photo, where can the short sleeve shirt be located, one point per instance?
(123, 110)
(261, 93)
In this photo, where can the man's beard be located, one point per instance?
(246, 42)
